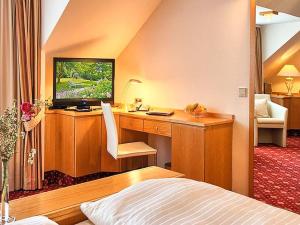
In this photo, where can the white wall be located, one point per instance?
(51, 12)
(276, 35)
(196, 50)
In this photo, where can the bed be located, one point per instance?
(169, 193)
(182, 201)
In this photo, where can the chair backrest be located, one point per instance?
(263, 96)
(111, 130)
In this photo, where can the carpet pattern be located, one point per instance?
(277, 174)
(55, 180)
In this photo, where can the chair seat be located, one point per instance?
(270, 121)
(135, 149)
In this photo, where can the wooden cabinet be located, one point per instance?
(203, 154)
(50, 140)
(292, 103)
(188, 151)
(87, 145)
(73, 144)
(65, 145)
(218, 155)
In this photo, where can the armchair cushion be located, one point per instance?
(261, 108)
(270, 121)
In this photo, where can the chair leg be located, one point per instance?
(279, 137)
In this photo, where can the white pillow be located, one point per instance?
(141, 203)
(261, 108)
(35, 220)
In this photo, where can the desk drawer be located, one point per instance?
(157, 127)
(131, 123)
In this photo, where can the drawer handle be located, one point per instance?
(156, 128)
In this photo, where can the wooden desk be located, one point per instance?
(201, 148)
(62, 205)
(292, 103)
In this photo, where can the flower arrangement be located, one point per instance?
(9, 134)
(9, 126)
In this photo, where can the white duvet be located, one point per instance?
(182, 201)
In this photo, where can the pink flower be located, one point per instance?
(27, 116)
(26, 108)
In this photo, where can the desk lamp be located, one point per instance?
(126, 91)
(289, 72)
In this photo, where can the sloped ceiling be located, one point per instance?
(273, 65)
(287, 6)
(51, 12)
(111, 24)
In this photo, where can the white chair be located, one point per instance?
(273, 129)
(119, 151)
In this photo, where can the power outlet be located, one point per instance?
(243, 92)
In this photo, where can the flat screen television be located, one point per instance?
(83, 81)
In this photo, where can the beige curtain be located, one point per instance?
(28, 35)
(20, 79)
(9, 85)
(259, 76)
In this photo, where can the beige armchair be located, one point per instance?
(273, 129)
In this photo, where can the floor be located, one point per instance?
(277, 174)
(55, 180)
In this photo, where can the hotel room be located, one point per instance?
(146, 111)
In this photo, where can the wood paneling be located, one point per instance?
(62, 205)
(218, 156)
(157, 127)
(188, 151)
(108, 163)
(131, 123)
(88, 145)
(50, 137)
(65, 154)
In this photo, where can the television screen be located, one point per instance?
(77, 79)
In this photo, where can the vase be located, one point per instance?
(5, 218)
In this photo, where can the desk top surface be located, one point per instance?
(179, 116)
(52, 202)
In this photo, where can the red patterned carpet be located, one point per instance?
(277, 174)
(55, 180)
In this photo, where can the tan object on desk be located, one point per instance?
(197, 110)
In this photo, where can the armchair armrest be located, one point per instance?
(278, 111)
